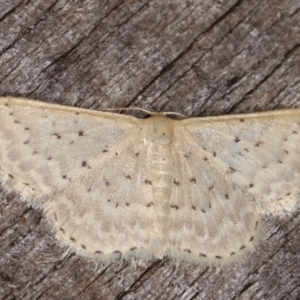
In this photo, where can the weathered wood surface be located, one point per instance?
(195, 57)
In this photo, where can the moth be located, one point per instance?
(114, 186)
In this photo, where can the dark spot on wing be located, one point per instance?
(202, 255)
(83, 247)
(16, 121)
(147, 181)
(258, 144)
(62, 230)
(193, 180)
(72, 239)
(57, 135)
(187, 155)
(237, 139)
(80, 133)
(226, 196)
(133, 248)
(26, 142)
(128, 177)
(98, 252)
(85, 164)
(174, 206)
(242, 247)
(118, 252)
(176, 182)
(187, 250)
(218, 257)
(232, 170)
(49, 158)
(12, 177)
(251, 239)
(127, 204)
(64, 176)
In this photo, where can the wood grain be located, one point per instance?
(194, 57)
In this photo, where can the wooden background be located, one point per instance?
(194, 57)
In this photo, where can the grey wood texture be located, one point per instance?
(199, 58)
